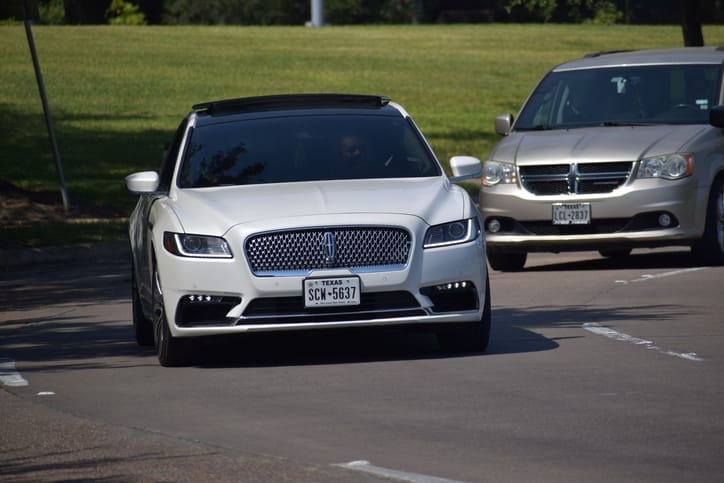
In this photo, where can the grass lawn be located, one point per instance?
(117, 93)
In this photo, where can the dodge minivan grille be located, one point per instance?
(299, 251)
(576, 178)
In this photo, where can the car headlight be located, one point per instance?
(201, 246)
(495, 172)
(461, 231)
(669, 166)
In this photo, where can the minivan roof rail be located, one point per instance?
(604, 52)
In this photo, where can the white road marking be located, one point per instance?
(366, 467)
(9, 376)
(647, 277)
(599, 329)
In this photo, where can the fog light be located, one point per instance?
(201, 298)
(664, 220)
(494, 226)
(452, 286)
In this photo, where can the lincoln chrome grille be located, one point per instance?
(577, 178)
(356, 248)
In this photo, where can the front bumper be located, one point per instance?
(221, 296)
(627, 218)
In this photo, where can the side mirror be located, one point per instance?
(716, 116)
(143, 183)
(465, 167)
(503, 123)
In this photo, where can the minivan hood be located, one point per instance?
(216, 210)
(594, 144)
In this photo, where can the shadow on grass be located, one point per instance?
(94, 161)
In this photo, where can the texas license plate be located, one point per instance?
(571, 213)
(330, 292)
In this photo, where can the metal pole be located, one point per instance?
(317, 13)
(46, 110)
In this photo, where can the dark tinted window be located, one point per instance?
(304, 148)
(666, 94)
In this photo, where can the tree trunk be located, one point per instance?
(691, 23)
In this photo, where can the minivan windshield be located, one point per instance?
(304, 148)
(628, 95)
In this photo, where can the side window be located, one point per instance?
(170, 156)
(539, 110)
(543, 112)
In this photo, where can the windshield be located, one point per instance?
(304, 148)
(660, 94)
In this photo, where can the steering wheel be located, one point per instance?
(687, 106)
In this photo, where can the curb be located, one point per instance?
(114, 251)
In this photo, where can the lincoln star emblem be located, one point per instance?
(330, 247)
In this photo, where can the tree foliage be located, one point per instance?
(593, 11)
(121, 12)
(688, 13)
(240, 12)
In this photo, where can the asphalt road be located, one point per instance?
(598, 370)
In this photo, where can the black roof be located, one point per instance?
(290, 101)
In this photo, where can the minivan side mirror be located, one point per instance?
(716, 116)
(503, 123)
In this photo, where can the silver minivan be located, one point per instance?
(611, 152)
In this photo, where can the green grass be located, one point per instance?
(117, 93)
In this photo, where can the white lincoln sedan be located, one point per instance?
(301, 212)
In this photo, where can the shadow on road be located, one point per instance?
(43, 321)
(643, 260)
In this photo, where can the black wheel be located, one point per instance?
(614, 253)
(142, 325)
(710, 248)
(172, 351)
(506, 261)
(468, 336)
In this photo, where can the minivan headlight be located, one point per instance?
(495, 172)
(461, 231)
(201, 246)
(669, 166)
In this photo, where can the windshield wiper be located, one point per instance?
(627, 123)
(537, 127)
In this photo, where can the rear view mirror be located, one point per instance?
(503, 123)
(716, 116)
(143, 182)
(465, 167)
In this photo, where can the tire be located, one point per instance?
(142, 326)
(506, 261)
(710, 248)
(172, 351)
(468, 336)
(615, 253)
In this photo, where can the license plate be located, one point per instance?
(330, 292)
(572, 214)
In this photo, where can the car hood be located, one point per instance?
(216, 210)
(594, 144)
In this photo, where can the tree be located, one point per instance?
(86, 11)
(594, 11)
(691, 23)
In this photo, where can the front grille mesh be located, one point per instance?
(580, 178)
(300, 251)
